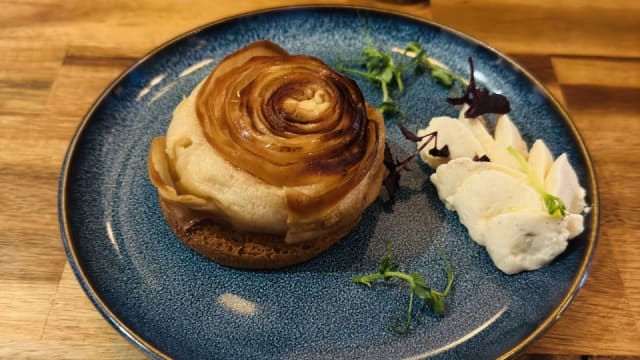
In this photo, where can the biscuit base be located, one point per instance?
(246, 250)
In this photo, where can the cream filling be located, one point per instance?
(313, 107)
(239, 197)
(246, 202)
(497, 201)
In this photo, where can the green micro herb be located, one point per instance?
(440, 73)
(434, 300)
(555, 206)
(380, 70)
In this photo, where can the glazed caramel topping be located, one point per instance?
(290, 121)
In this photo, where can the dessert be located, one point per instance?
(269, 161)
(517, 202)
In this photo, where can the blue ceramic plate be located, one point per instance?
(171, 302)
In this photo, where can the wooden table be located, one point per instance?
(56, 57)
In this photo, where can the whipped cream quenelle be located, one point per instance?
(500, 203)
(272, 143)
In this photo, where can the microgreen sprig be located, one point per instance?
(394, 166)
(380, 70)
(434, 300)
(438, 71)
(555, 206)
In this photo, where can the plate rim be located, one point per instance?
(147, 348)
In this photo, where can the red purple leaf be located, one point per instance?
(480, 101)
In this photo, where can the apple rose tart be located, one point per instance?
(269, 161)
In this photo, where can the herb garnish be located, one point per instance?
(383, 71)
(439, 72)
(380, 70)
(480, 101)
(434, 300)
(555, 206)
(392, 181)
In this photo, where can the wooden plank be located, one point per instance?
(619, 73)
(74, 319)
(57, 56)
(598, 28)
(603, 119)
(589, 326)
(140, 25)
(541, 68)
(82, 78)
(28, 222)
(608, 125)
(22, 317)
(27, 71)
(69, 350)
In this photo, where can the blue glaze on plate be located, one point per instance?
(172, 302)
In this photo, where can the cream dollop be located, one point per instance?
(497, 201)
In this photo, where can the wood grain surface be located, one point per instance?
(57, 56)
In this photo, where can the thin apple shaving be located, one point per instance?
(554, 204)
